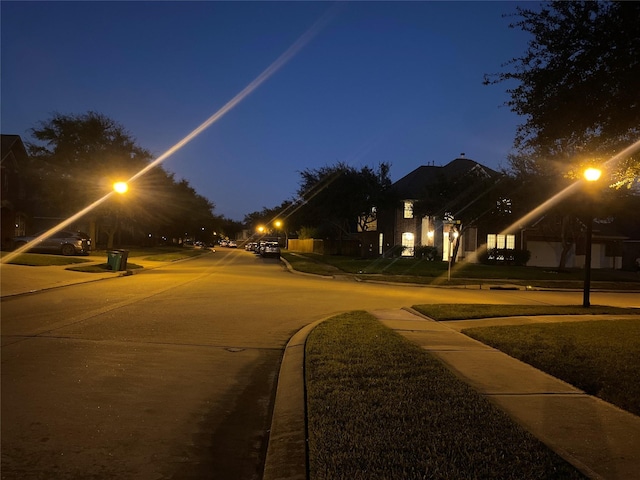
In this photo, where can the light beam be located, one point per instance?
(282, 60)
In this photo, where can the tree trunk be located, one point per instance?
(456, 246)
(567, 240)
(93, 232)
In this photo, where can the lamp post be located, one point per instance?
(591, 175)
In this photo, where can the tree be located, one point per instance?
(74, 162)
(576, 87)
(335, 198)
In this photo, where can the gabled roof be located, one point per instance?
(12, 144)
(414, 183)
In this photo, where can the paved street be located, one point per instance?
(170, 374)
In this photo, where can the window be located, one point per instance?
(510, 242)
(407, 242)
(501, 241)
(380, 242)
(408, 209)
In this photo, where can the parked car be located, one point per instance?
(63, 241)
(232, 244)
(270, 249)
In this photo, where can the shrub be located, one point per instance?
(395, 251)
(426, 252)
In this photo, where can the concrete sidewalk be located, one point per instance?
(596, 437)
(24, 279)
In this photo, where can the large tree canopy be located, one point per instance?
(76, 158)
(576, 86)
(335, 197)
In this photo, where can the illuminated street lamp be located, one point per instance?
(278, 225)
(121, 187)
(591, 175)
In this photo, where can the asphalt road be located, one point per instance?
(170, 374)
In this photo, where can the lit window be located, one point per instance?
(511, 242)
(408, 209)
(501, 241)
(407, 242)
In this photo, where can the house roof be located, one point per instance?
(414, 183)
(12, 144)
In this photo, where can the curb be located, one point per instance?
(287, 449)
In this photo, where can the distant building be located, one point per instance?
(13, 192)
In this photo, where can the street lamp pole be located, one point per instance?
(587, 261)
(591, 175)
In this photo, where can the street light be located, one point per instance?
(121, 187)
(591, 175)
(278, 225)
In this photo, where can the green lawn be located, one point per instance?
(411, 270)
(600, 357)
(380, 407)
(461, 311)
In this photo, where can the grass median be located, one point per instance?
(422, 272)
(602, 357)
(87, 263)
(380, 407)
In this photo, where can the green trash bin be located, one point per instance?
(124, 256)
(114, 260)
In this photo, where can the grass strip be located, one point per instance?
(600, 357)
(420, 267)
(43, 260)
(309, 264)
(461, 311)
(380, 407)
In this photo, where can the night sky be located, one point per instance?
(365, 83)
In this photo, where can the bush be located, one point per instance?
(428, 253)
(395, 251)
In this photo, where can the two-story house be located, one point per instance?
(451, 220)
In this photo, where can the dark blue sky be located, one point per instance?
(397, 82)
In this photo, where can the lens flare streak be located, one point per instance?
(292, 51)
